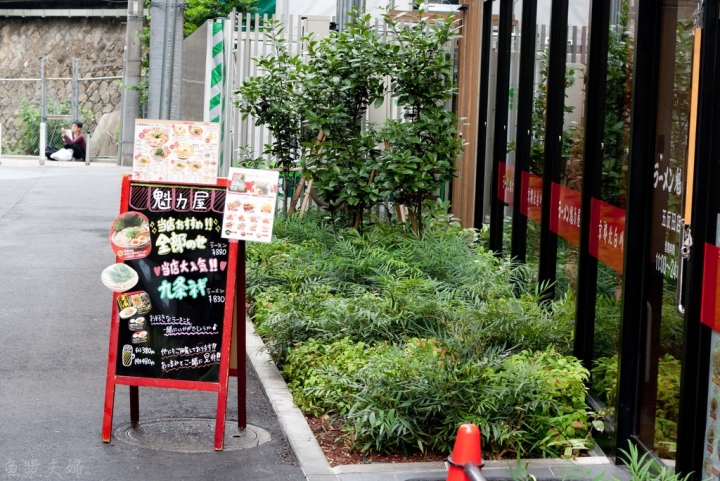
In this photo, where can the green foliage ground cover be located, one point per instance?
(404, 338)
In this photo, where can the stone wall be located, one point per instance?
(97, 43)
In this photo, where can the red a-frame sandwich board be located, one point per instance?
(221, 387)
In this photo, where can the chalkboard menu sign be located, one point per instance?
(171, 321)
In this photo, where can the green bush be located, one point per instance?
(389, 285)
(414, 396)
(404, 338)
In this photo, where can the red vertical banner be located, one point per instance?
(506, 182)
(565, 213)
(531, 203)
(710, 309)
(607, 234)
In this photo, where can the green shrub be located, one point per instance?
(414, 396)
(405, 338)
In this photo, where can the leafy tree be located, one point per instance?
(274, 100)
(423, 146)
(345, 76)
(198, 11)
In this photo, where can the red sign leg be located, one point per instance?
(110, 377)
(225, 359)
(241, 335)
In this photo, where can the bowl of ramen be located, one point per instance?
(144, 160)
(179, 165)
(140, 337)
(196, 131)
(179, 130)
(184, 151)
(195, 166)
(159, 154)
(130, 231)
(156, 137)
(137, 324)
(128, 312)
(119, 277)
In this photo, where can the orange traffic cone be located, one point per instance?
(467, 449)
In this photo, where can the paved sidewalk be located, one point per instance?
(54, 322)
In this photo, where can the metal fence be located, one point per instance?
(28, 96)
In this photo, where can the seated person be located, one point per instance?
(77, 142)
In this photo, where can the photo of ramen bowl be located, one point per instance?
(128, 312)
(195, 166)
(140, 337)
(156, 137)
(137, 324)
(179, 165)
(179, 130)
(159, 154)
(184, 151)
(130, 231)
(196, 131)
(144, 160)
(119, 277)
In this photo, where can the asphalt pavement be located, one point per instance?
(54, 328)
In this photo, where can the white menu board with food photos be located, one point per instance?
(711, 462)
(250, 204)
(176, 151)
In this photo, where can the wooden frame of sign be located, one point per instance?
(177, 346)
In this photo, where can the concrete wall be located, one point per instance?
(193, 74)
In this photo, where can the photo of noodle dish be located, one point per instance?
(195, 166)
(119, 277)
(196, 131)
(144, 160)
(156, 137)
(179, 165)
(179, 130)
(130, 231)
(184, 151)
(159, 153)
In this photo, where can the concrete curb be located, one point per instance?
(302, 441)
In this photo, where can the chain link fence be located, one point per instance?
(21, 110)
(19, 91)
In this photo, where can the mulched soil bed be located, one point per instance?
(337, 447)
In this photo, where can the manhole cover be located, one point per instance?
(189, 435)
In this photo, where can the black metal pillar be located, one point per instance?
(501, 123)
(526, 97)
(696, 340)
(479, 219)
(638, 217)
(554, 123)
(592, 177)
